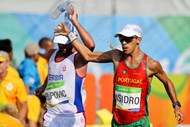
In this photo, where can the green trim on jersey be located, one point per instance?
(144, 122)
(54, 85)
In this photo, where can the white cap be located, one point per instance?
(130, 30)
(61, 39)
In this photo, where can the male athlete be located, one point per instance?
(134, 71)
(65, 93)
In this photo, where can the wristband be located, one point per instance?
(71, 36)
(177, 103)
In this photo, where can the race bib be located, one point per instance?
(55, 93)
(128, 98)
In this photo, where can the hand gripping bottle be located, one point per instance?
(59, 7)
(61, 39)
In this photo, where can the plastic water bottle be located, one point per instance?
(61, 39)
(59, 7)
(69, 24)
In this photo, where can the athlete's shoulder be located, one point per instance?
(151, 61)
(116, 54)
(116, 51)
(154, 66)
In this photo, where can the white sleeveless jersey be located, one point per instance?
(64, 92)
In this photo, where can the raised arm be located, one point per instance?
(100, 57)
(156, 69)
(85, 36)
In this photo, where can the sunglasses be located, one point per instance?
(128, 39)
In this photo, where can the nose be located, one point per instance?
(123, 42)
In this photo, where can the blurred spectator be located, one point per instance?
(10, 110)
(42, 64)
(45, 44)
(9, 117)
(12, 88)
(34, 109)
(6, 45)
(29, 73)
(9, 121)
(28, 68)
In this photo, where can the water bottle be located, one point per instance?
(61, 39)
(59, 7)
(69, 24)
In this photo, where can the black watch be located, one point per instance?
(177, 103)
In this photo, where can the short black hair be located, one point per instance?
(42, 40)
(6, 45)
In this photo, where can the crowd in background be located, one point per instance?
(18, 105)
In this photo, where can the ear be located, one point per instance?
(139, 39)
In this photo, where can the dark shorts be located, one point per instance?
(144, 122)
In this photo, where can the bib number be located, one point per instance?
(128, 98)
(55, 93)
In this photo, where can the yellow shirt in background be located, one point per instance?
(34, 107)
(9, 121)
(12, 71)
(12, 89)
(42, 66)
(33, 102)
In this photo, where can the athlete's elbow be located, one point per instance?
(91, 47)
(87, 58)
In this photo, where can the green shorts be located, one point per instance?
(144, 122)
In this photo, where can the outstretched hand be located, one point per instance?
(178, 115)
(62, 29)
